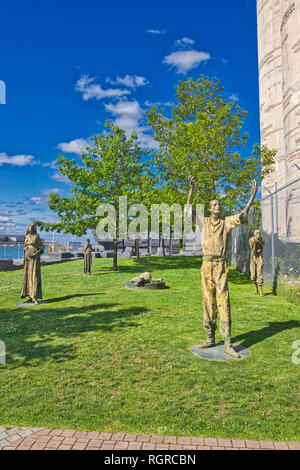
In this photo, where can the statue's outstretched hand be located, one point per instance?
(191, 180)
(254, 188)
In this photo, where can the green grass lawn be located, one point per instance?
(100, 357)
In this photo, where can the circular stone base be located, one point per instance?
(30, 304)
(154, 285)
(217, 353)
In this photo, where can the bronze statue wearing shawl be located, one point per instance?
(88, 258)
(33, 248)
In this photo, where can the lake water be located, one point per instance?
(12, 252)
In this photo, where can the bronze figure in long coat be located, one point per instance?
(88, 258)
(33, 248)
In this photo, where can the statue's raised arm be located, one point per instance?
(254, 189)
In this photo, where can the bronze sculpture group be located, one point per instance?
(214, 269)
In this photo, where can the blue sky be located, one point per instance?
(69, 65)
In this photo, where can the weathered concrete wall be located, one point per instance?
(279, 89)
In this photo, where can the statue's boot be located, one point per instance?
(210, 343)
(260, 291)
(256, 288)
(229, 348)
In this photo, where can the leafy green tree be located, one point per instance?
(199, 146)
(115, 166)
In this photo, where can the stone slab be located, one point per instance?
(30, 304)
(218, 354)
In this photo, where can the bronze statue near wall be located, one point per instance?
(88, 258)
(214, 272)
(256, 244)
(33, 248)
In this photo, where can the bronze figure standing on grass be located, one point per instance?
(215, 272)
(88, 257)
(257, 244)
(33, 248)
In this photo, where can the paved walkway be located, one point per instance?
(12, 438)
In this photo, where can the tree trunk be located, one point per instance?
(163, 246)
(137, 249)
(115, 258)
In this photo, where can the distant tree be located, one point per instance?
(199, 147)
(113, 167)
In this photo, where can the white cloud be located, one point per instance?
(31, 201)
(234, 97)
(46, 192)
(12, 213)
(60, 178)
(91, 90)
(5, 219)
(183, 61)
(51, 164)
(146, 140)
(158, 103)
(130, 81)
(10, 225)
(127, 116)
(75, 146)
(34, 200)
(17, 160)
(57, 176)
(184, 42)
(156, 31)
(127, 113)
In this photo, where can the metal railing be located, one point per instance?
(273, 232)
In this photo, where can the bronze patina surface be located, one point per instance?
(33, 248)
(145, 281)
(87, 258)
(256, 244)
(214, 272)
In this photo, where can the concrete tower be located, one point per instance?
(279, 90)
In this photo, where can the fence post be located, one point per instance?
(273, 239)
(276, 205)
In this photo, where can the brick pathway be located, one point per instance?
(12, 438)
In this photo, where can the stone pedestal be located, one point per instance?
(30, 304)
(218, 354)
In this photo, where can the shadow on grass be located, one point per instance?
(257, 336)
(177, 262)
(67, 297)
(52, 325)
(162, 263)
(99, 273)
(237, 277)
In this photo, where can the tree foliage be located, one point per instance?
(203, 139)
(115, 166)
